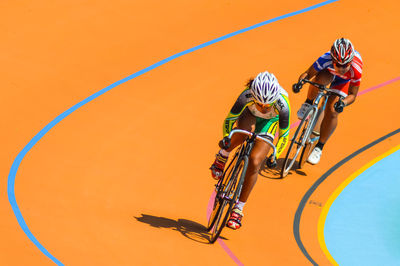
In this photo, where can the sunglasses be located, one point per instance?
(341, 65)
(263, 105)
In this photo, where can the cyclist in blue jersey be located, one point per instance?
(342, 69)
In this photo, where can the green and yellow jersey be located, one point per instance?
(266, 123)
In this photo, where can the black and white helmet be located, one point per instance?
(265, 88)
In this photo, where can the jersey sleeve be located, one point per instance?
(241, 103)
(284, 124)
(323, 62)
(357, 66)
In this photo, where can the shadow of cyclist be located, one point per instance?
(187, 228)
(274, 173)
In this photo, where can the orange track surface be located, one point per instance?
(124, 180)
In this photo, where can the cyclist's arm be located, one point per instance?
(284, 125)
(355, 81)
(321, 63)
(309, 74)
(351, 97)
(244, 100)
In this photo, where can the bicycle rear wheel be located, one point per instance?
(225, 200)
(298, 141)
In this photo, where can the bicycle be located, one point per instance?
(305, 137)
(229, 186)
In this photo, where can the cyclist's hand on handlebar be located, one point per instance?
(339, 105)
(271, 162)
(225, 143)
(297, 86)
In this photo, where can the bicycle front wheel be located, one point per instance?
(308, 147)
(225, 200)
(298, 141)
(220, 190)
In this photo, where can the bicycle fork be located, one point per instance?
(234, 194)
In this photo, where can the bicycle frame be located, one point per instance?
(252, 137)
(229, 187)
(249, 144)
(302, 140)
(323, 94)
(244, 151)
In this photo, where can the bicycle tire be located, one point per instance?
(308, 145)
(233, 186)
(297, 141)
(220, 190)
(305, 153)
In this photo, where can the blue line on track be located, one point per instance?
(38, 136)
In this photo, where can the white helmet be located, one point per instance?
(265, 88)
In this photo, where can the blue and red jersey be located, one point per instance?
(353, 76)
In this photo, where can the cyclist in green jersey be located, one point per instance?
(259, 108)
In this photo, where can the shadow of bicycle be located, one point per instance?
(275, 173)
(189, 229)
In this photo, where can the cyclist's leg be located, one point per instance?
(323, 77)
(246, 121)
(330, 120)
(258, 155)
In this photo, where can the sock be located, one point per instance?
(240, 205)
(320, 145)
(224, 153)
(309, 101)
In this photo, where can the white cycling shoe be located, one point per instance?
(301, 112)
(315, 156)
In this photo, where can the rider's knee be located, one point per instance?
(255, 162)
(330, 113)
(324, 77)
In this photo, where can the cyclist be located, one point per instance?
(259, 108)
(342, 69)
